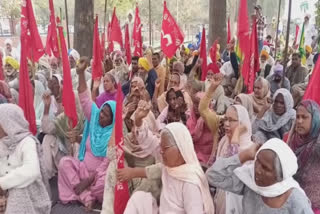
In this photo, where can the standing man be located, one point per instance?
(161, 72)
(260, 26)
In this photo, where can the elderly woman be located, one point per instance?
(277, 121)
(110, 90)
(21, 165)
(260, 95)
(266, 184)
(237, 138)
(304, 141)
(176, 85)
(185, 188)
(120, 70)
(82, 179)
(175, 111)
(245, 101)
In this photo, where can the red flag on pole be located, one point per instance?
(31, 47)
(52, 37)
(110, 43)
(229, 31)
(68, 99)
(251, 62)
(127, 45)
(115, 33)
(121, 191)
(243, 27)
(33, 42)
(296, 37)
(136, 36)
(313, 88)
(203, 55)
(97, 64)
(1, 67)
(171, 35)
(213, 55)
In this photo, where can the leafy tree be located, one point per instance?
(318, 15)
(11, 10)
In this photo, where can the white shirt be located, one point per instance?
(21, 168)
(227, 69)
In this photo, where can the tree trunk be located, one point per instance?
(218, 22)
(251, 4)
(83, 27)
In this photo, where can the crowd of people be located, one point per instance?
(190, 146)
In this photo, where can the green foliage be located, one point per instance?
(10, 8)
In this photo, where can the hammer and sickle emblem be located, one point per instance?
(168, 37)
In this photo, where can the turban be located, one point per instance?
(11, 61)
(143, 62)
(265, 53)
(75, 55)
(278, 69)
(213, 68)
(308, 49)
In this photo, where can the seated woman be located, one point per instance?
(266, 184)
(304, 141)
(260, 96)
(277, 121)
(185, 188)
(110, 90)
(175, 111)
(200, 132)
(60, 139)
(245, 101)
(82, 179)
(176, 85)
(22, 172)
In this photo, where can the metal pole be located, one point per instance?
(67, 22)
(150, 23)
(105, 16)
(287, 39)
(277, 31)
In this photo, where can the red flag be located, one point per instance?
(97, 64)
(52, 37)
(251, 62)
(243, 27)
(229, 31)
(110, 43)
(296, 37)
(33, 41)
(313, 88)
(127, 45)
(29, 32)
(1, 67)
(203, 55)
(68, 99)
(121, 191)
(171, 35)
(115, 33)
(213, 55)
(136, 36)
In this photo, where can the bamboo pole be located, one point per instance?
(277, 31)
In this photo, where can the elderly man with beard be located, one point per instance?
(120, 70)
(277, 80)
(11, 72)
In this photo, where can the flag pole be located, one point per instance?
(105, 18)
(287, 39)
(277, 31)
(150, 22)
(67, 22)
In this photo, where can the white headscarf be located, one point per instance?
(245, 139)
(289, 168)
(8, 41)
(191, 171)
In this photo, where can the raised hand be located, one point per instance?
(142, 110)
(216, 81)
(82, 65)
(46, 97)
